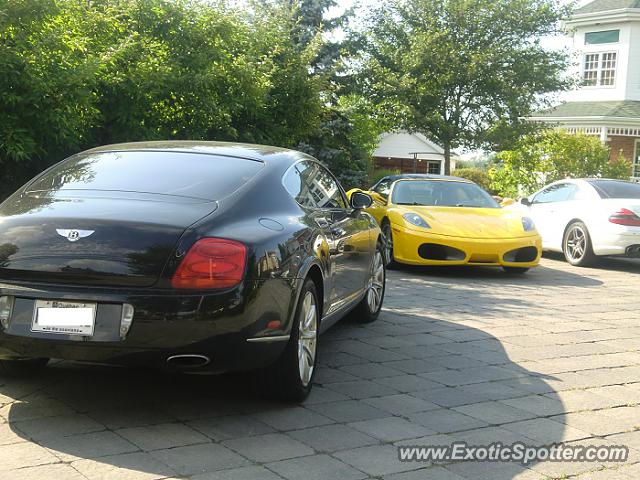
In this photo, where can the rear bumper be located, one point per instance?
(219, 326)
(616, 243)
(415, 248)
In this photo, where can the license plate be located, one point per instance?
(68, 318)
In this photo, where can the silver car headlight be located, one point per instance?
(415, 219)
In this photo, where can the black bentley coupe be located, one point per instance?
(195, 256)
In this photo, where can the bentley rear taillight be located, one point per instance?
(212, 263)
(625, 217)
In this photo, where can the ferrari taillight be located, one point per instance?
(625, 217)
(211, 263)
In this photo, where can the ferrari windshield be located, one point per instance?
(441, 193)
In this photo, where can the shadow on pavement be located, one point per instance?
(619, 264)
(406, 379)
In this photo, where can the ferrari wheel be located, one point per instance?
(388, 244)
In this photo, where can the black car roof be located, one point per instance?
(423, 176)
(262, 153)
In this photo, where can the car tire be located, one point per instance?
(387, 238)
(518, 270)
(289, 379)
(368, 309)
(22, 367)
(577, 246)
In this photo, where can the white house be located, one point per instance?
(410, 153)
(606, 41)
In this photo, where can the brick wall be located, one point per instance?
(405, 165)
(624, 145)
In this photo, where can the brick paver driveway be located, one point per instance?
(472, 355)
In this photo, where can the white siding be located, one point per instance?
(628, 63)
(633, 77)
(404, 145)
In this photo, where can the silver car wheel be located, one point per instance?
(576, 243)
(376, 283)
(307, 338)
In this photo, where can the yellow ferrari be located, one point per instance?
(442, 220)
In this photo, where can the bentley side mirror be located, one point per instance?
(525, 201)
(360, 200)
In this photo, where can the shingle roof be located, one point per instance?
(624, 109)
(605, 5)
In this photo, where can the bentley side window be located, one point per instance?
(313, 186)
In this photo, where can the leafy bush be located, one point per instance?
(477, 175)
(74, 75)
(549, 156)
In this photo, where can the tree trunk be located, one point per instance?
(447, 158)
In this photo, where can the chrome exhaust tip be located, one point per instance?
(188, 360)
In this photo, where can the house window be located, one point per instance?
(636, 160)
(433, 168)
(599, 69)
(606, 36)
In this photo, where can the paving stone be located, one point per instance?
(164, 435)
(47, 472)
(446, 421)
(330, 438)
(494, 413)
(233, 426)
(362, 389)
(241, 473)
(408, 383)
(430, 473)
(376, 460)
(201, 458)
(546, 431)
(316, 467)
(90, 445)
(130, 466)
(25, 454)
(401, 404)
(269, 448)
(370, 371)
(46, 428)
(292, 418)
(348, 411)
(391, 429)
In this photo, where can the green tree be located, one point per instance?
(553, 155)
(477, 175)
(47, 74)
(463, 72)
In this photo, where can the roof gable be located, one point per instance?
(621, 109)
(607, 5)
(405, 145)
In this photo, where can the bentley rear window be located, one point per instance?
(208, 177)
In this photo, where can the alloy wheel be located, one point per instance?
(376, 283)
(576, 243)
(307, 338)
